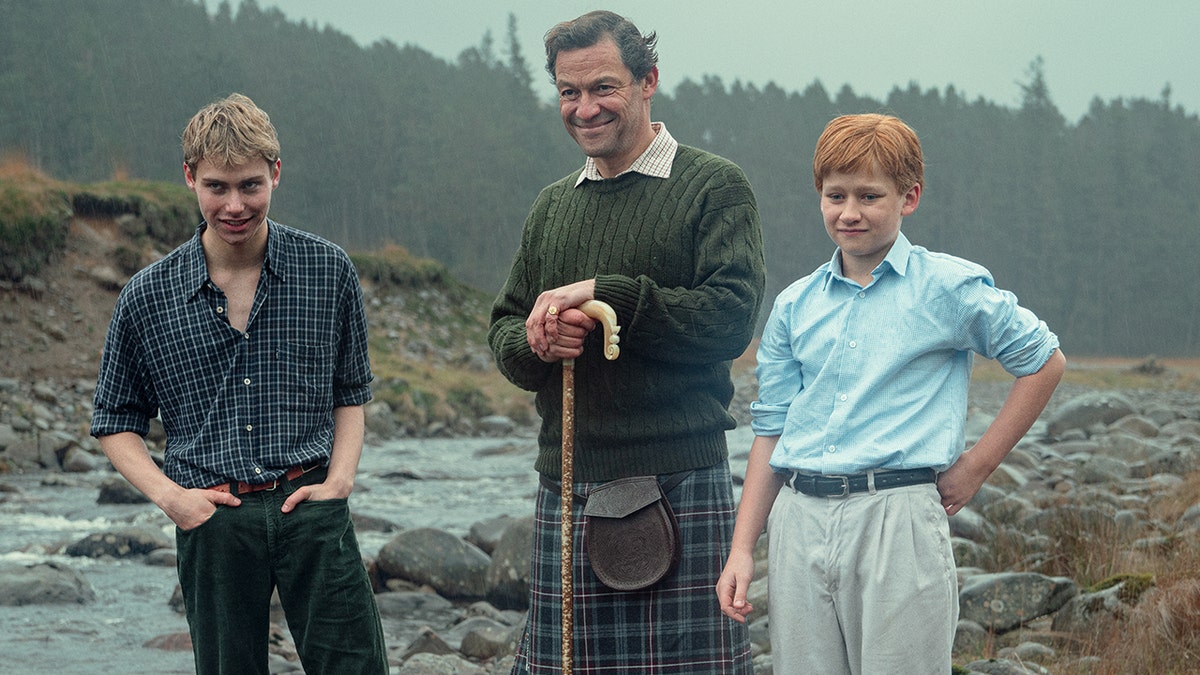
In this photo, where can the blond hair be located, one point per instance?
(230, 132)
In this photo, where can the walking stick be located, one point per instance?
(603, 313)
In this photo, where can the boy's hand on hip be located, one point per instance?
(958, 484)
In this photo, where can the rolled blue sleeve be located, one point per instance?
(780, 377)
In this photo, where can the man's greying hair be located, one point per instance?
(230, 132)
(637, 50)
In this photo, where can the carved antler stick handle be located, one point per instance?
(602, 312)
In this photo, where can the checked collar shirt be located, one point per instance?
(655, 161)
(237, 405)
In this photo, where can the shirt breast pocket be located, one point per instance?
(306, 376)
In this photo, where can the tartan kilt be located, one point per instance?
(675, 626)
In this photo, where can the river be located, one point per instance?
(443, 483)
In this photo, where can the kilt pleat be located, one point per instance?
(676, 626)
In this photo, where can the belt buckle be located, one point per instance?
(270, 486)
(845, 486)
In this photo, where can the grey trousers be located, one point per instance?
(861, 584)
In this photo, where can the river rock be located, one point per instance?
(1004, 667)
(1126, 446)
(364, 523)
(1189, 522)
(1182, 427)
(448, 564)
(162, 557)
(497, 425)
(970, 638)
(486, 534)
(508, 572)
(427, 642)
(1087, 612)
(1027, 455)
(1008, 476)
(1178, 460)
(1087, 410)
(968, 553)
(1161, 414)
(434, 664)
(8, 436)
(120, 543)
(481, 638)
(43, 584)
(430, 608)
(1003, 601)
(1082, 447)
(1009, 508)
(381, 419)
(78, 460)
(508, 617)
(1077, 516)
(1029, 652)
(171, 642)
(45, 393)
(1102, 469)
(1138, 425)
(969, 524)
(29, 452)
(117, 490)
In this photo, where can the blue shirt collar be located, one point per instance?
(896, 259)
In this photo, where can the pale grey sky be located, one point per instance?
(982, 47)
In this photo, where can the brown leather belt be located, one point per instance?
(246, 488)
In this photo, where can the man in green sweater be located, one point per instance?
(669, 236)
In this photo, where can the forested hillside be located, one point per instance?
(1094, 224)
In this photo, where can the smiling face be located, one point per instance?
(862, 212)
(604, 109)
(234, 201)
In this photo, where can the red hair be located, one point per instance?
(859, 143)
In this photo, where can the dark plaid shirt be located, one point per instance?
(237, 406)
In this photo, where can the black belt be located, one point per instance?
(843, 486)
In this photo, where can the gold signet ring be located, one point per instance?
(552, 310)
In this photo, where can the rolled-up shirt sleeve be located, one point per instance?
(779, 375)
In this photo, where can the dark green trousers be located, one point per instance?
(230, 565)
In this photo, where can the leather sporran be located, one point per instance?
(632, 537)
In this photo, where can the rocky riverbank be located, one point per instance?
(1092, 475)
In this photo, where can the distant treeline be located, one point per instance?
(1094, 224)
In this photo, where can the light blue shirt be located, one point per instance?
(854, 378)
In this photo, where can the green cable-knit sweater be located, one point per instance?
(680, 260)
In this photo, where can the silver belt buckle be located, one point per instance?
(845, 486)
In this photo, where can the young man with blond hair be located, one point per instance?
(250, 341)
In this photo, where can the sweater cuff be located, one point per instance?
(621, 293)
